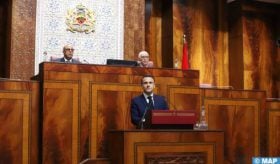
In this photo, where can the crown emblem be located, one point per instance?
(80, 19)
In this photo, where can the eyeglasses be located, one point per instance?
(148, 82)
(68, 49)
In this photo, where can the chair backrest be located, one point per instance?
(56, 59)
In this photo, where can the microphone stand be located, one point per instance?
(143, 117)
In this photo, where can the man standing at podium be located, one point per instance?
(146, 101)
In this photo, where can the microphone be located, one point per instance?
(85, 61)
(45, 53)
(143, 119)
(141, 122)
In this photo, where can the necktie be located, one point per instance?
(150, 104)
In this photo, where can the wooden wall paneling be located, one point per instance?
(134, 28)
(221, 40)
(149, 27)
(206, 34)
(242, 144)
(19, 114)
(153, 30)
(163, 146)
(257, 54)
(184, 98)
(167, 33)
(163, 79)
(83, 79)
(236, 67)
(166, 82)
(36, 111)
(159, 33)
(15, 127)
(61, 129)
(259, 48)
(239, 114)
(273, 134)
(276, 71)
(276, 66)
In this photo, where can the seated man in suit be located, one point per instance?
(68, 52)
(146, 101)
(143, 59)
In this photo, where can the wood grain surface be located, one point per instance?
(19, 119)
(166, 146)
(273, 127)
(82, 102)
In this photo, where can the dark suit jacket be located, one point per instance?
(139, 104)
(61, 60)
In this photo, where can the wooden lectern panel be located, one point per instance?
(273, 110)
(166, 146)
(19, 113)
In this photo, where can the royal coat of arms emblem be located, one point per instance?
(80, 19)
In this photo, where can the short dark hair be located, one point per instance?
(148, 75)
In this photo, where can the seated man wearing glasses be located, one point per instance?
(68, 52)
(143, 59)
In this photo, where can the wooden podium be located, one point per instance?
(166, 146)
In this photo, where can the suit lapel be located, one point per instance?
(155, 101)
(144, 100)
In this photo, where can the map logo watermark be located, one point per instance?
(266, 160)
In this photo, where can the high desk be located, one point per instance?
(81, 102)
